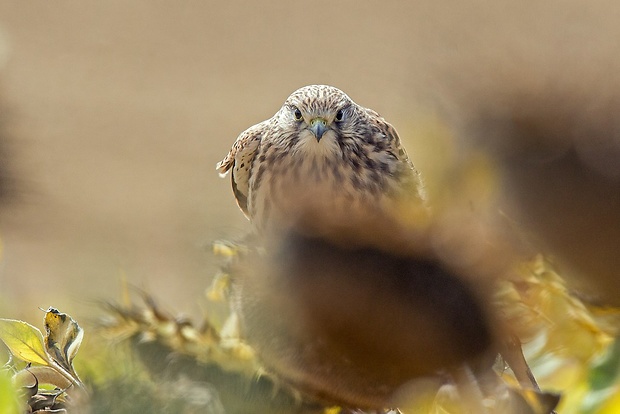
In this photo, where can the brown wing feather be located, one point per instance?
(411, 179)
(239, 159)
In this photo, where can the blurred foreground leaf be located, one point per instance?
(604, 395)
(8, 400)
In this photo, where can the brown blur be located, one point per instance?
(559, 152)
(117, 112)
(353, 323)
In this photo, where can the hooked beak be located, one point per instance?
(318, 126)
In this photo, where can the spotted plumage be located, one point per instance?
(319, 148)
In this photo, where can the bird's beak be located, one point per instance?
(318, 126)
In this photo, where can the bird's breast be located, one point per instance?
(318, 184)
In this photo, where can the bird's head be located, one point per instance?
(316, 117)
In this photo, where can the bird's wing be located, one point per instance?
(411, 180)
(239, 159)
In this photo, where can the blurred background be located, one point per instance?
(114, 114)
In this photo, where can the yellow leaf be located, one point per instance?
(63, 338)
(219, 287)
(24, 341)
(612, 405)
(226, 249)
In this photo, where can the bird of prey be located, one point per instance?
(323, 152)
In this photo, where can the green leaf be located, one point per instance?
(24, 341)
(605, 373)
(8, 395)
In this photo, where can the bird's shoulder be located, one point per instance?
(240, 158)
(243, 148)
(390, 136)
(409, 176)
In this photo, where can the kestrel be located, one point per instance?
(323, 152)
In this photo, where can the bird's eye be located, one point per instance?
(298, 116)
(339, 115)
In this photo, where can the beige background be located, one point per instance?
(116, 112)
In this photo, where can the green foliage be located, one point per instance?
(182, 369)
(8, 395)
(48, 361)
